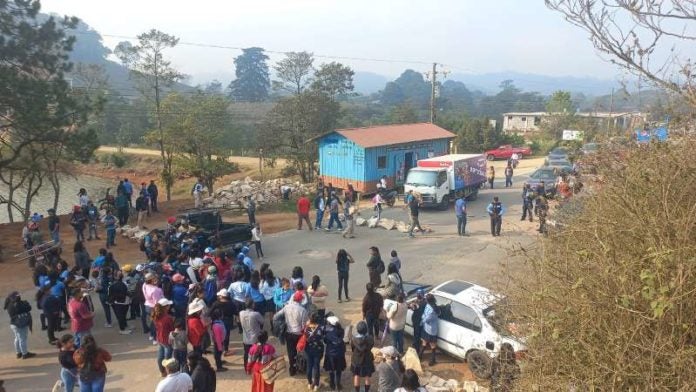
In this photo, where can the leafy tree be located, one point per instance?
(252, 81)
(294, 72)
(213, 88)
(200, 134)
(403, 114)
(455, 96)
(35, 100)
(290, 125)
(154, 75)
(334, 79)
(560, 102)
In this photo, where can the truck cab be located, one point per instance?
(431, 183)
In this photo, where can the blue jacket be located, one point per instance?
(281, 296)
(429, 321)
(180, 295)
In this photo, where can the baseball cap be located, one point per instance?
(223, 293)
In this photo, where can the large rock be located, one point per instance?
(388, 224)
(360, 221)
(372, 222)
(411, 360)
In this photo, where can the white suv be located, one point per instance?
(467, 328)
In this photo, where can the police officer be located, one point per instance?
(527, 202)
(495, 211)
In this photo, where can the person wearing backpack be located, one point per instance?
(335, 358)
(375, 266)
(314, 350)
(20, 322)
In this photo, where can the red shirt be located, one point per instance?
(79, 312)
(196, 330)
(303, 206)
(163, 326)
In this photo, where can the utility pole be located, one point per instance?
(611, 112)
(433, 92)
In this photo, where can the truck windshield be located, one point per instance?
(421, 178)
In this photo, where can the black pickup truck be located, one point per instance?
(209, 224)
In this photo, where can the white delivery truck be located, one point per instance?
(438, 180)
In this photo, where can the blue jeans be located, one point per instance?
(508, 181)
(55, 236)
(110, 237)
(96, 385)
(461, 224)
(20, 340)
(69, 378)
(320, 217)
(180, 356)
(79, 336)
(398, 340)
(146, 318)
(313, 360)
(333, 217)
(164, 352)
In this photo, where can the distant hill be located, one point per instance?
(367, 83)
(489, 83)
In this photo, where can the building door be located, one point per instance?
(408, 163)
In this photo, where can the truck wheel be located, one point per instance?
(490, 157)
(480, 364)
(444, 203)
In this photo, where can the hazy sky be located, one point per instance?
(475, 36)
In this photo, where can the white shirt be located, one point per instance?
(256, 234)
(198, 188)
(382, 183)
(175, 382)
(84, 200)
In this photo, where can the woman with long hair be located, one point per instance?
(430, 327)
(202, 373)
(268, 287)
(314, 350)
(164, 324)
(343, 262)
(259, 355)
(151, 293)
(91, 364)
(297, 276)
(318, 294)
(19, 311)
(375, 266)
(68, 367)
(362, 362)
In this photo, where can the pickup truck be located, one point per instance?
(213, 230)
(505, 152)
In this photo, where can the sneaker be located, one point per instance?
(309, 387)
(107, 325)
(126, 332)
(316, 388)
(28, 355)
(19, 355)
(347, 299)
(340, 301)
(149, 337)
(53, 342)
(327, 229)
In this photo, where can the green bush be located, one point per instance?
(288, 171)
(118, 159)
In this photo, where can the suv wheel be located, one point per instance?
(480, 364)
(490, 157)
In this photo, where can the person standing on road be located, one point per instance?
(320, 206)
(256, 235)
(91, 364)
(414, 210)
(542, 211)
(81, 316)
(154, 192)
(164, 325)
(343, 261)
(261, 354)
(362, 362)
(174, 379)
(318, 293)
(491, 176)
(68, 367)
(128, 191)
(348, 212)
(508, 175)
(335, 357)
(77, 221)
(109, 221)
(495, 211)
(430, 328)
(371, 308)
(202, 374)
(396, 314)
(295, 319)
(314, 349)
(460, 212)
(417, 308)
(333, 212)
(122, 208)
(303, 212)
(252, 325)
(20, 323)
(527, 202)
(375, 266)
(120, 301)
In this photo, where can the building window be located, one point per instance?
(509, 118)
(537, 120)
(382, 162)
(524, 119)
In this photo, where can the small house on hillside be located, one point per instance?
(361, 156)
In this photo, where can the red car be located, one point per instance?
(506, 151)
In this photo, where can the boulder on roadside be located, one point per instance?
(402, 227)
(360, 221)
(372, 222)
(388, 224)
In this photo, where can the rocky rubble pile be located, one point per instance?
(263, 192)
(131, 232)
(387, 224)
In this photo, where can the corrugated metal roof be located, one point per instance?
(384, 135)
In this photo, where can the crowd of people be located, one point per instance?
(189, 298)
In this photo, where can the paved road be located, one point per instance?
(431, 258)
